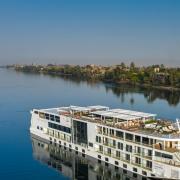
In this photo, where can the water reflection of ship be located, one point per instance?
(77, 166)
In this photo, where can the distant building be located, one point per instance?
(156, 69)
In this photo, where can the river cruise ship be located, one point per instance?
(134, 141)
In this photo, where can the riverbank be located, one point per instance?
(118, 90)
(144, 85)
(153, 76)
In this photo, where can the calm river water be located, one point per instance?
(20, 92)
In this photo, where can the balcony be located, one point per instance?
(162, 148)
(136, 164)
(167, 161)
(109, 145)
(99, 151)
(145, 144)
(144, 155)
(107, 154)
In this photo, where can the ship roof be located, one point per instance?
(133, 113)
(104, 111)
(98, 107)
(79, 108)
(112, 114)
(103, 115)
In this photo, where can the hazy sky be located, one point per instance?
(90, 31)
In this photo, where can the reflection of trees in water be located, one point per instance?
(151, 94)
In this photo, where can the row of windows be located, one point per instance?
(127, 136)
(90, 144)
(159, 154)
(47, 116)
(59, 127)
(127, 157)
(40, 128)
(52, 117)
(129, 148)
(113, 143)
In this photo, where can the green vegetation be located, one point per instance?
(151, 121)
(155, 75)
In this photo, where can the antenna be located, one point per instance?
(177, 121)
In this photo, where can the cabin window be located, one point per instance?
(42, 145)
(138, 150)
(149, 152)
(98, 139)
(127, 157)
(59, 127)
(128, 148)
(57, 118)
(145, 140)
(36, 112)
(111, 132)
(47, 116)
(105, 130)
(101, 148)
(109, 151)
(90, 144)
(119, 134)
(138, 160)
(149, 164)
(118, 154)
(137, 139)
(114, 143)
(120, 145)
(135, 169)
(51, 117)
(151, 141)
(116, 163)
(129, 136)
(106, 159)
(163, 155)
(167, 156)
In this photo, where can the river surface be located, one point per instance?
(21, 92)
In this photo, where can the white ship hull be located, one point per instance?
(83, 136)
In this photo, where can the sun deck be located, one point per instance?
(128, 120)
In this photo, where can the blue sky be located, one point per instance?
(90, 31)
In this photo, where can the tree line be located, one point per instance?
(155, 75)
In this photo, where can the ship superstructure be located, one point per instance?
(131, 140)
